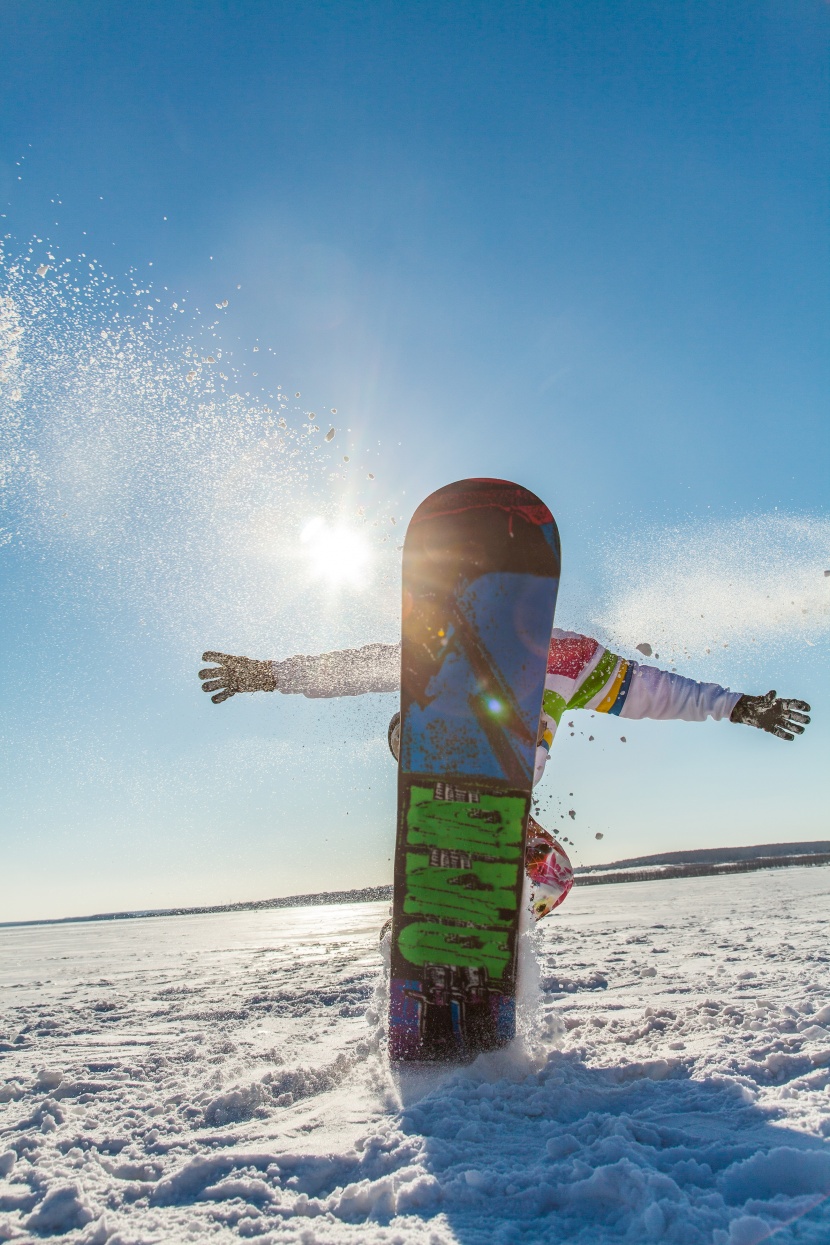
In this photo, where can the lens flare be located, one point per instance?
(338, 555)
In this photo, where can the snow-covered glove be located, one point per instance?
(784, 718)
(236, 674)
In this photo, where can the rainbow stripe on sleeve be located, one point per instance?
(615, 699)
(608, 682)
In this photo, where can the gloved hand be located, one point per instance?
(236, 674)
(784, 718)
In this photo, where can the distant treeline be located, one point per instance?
(719, 855)
(693, 864)
(369, 894)
(606, 877)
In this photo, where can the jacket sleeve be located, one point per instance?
(654, 693)
(345, 672)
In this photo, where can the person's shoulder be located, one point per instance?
(570, 653)
(558, 635)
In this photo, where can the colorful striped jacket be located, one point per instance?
(581, 674)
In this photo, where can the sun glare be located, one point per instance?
(337, 555)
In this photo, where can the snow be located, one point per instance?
(222, 1077)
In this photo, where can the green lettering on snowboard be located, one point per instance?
(492, 827)
(421, 942)
(484, 894)
(482, 897)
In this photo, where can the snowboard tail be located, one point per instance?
(480, 575)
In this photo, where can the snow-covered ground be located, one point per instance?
(223, 1077)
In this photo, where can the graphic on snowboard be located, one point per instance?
(480, 575)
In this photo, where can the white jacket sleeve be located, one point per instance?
(654, 693)
(345, 672)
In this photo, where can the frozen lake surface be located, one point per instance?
(223, 1077)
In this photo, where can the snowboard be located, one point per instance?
(481, 567)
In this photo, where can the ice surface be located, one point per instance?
(223, 1077)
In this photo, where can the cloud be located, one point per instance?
(756, 582)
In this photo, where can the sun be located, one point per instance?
(336, 554)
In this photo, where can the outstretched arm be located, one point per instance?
(345, 672)
(657, 693)
(584, 675)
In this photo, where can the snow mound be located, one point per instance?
(62, 1209)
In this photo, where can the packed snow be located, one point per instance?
(224, 1076)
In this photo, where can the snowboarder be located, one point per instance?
(581, 674)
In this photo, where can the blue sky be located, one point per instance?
(583, 246)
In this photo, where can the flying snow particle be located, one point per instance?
(599, 835)
(42, 270)
(572, 814)
(371, 476)
(334, 410)
(345, 458)
(645, 649)
(329, 435)
(623, 739)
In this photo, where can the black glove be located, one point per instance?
(236, 674)
(784, 718)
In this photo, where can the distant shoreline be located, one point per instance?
(692, 864)
(703, 870)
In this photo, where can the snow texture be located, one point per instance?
(223, 1077)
